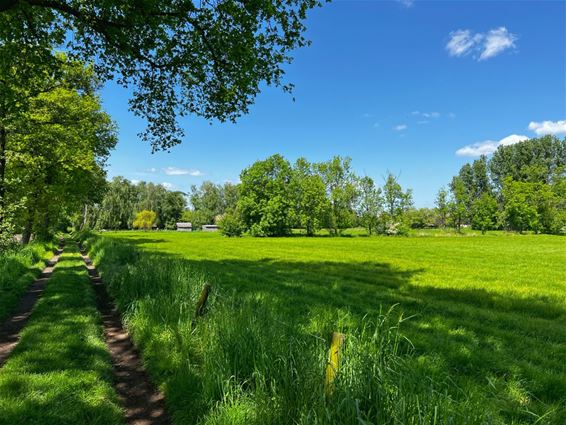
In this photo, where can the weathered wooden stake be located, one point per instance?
(333, 360)
(201, 304)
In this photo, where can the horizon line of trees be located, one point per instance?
(124, 200)
(276, 196)
(522, 187)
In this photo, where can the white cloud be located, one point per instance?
(400, 127)
(174, 171)
(426, 114)
(489, 146)
(548, 127)
(484, 45)
(168, 185)
(134, 181)
(462, 42)
(407, 3)
(152, 170)
(496, 41)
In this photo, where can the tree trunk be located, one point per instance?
(26, 236)
(3, 137)
(85, 217)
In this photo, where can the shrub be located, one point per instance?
(145, 220)
(231, 225)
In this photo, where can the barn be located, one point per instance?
(184, 227)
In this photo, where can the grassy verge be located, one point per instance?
(18, 269)
(254, 360)
(60, 372)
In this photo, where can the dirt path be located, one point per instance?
(11, 328)
(143, 404)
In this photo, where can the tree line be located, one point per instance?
(123, 200)
(275, 196)
(54, 142)
(522, 187)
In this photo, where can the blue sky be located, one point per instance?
(416, 88)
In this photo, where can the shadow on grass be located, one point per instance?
(471, 332)
(500, 344)
(60, 371)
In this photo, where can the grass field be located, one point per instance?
(60, 372)
(486, 318)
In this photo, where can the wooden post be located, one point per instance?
(201, 304)
(333, 360)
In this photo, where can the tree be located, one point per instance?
(442, 206)
(396, 201)
(266, 203)
(536, 160)
(230, 196)
(23, 75)
(341, 190)
(475, 180)
(118, 206)
(481, 180)
(458, 203)
(369, 203)
(520, 211)
(183, 57)
(28, 72)
(309, 194)
(523, 179)
(484, 213)
(208, 200)
(171, 209)
(168, 205)
(145, 220)
(56, 149)
(211, 200)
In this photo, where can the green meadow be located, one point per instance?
(439, 328)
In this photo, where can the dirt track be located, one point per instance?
(143, 404)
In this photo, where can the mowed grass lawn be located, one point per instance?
(489, 310)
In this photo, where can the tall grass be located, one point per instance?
(247, 361)
(18, 268)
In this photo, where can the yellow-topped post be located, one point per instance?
(333, 360)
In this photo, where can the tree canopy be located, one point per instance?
(181, 57)
(54, 144)
(520, 188)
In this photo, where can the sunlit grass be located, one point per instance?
(60, 372)
(487, 313)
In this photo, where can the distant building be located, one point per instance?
(184, 227)
(210, 228)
